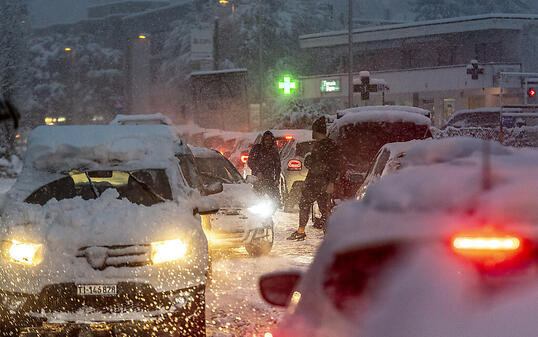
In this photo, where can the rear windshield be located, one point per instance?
(360, 143)
(217, 169)
(143, 187)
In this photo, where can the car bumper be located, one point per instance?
(58, 309)
(234, 231)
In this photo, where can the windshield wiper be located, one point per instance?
(94, 190)
(147, 188)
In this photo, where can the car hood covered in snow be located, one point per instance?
(65, 227)
(428, 203)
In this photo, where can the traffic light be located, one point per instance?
(531, 92)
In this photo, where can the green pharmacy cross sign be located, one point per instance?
(287, 84)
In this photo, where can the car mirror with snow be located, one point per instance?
(277, 288)
(206, 206)
(251, 179)
(356, 177)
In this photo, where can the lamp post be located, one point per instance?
(260, 55)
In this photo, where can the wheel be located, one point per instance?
(263, 245)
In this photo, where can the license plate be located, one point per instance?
(97, 289)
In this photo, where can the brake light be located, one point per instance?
(295, 165)
(486, 243)
(288, 137)
(244, 158)
(488, 248)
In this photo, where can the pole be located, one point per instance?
(260, 55)
(216, 55)
(350, 54)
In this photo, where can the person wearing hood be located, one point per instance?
(323, 167)
(264, 161)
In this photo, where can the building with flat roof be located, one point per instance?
(424, 64)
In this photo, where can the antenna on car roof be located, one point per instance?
(486, 165)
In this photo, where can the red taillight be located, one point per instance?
(288, 137)
(488, 248)
(485, 243)
(295, 165)
(244, 158)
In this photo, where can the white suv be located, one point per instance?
(101, 232)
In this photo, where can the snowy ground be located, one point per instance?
(235, 307)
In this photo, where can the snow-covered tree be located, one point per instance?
(77, 83)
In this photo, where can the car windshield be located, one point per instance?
(143, 187)
(217, 169)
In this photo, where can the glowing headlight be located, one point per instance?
(166, 251)
(25, 253)
(263, 209)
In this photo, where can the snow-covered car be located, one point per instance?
(430, 251)
(244, 219)
(405, 108)
(141, 119)
(394, 156)
(490, 118)
(360, 135)
(101, 232)
(293, 172)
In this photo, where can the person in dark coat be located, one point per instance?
(264, 161)
(323, 167)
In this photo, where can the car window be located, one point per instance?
(381, 162)
(217, 169)
(188, 169)
(143, 187)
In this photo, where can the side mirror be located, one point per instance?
(277, 288)
(251, 179)
(206, 206)
(213, 188)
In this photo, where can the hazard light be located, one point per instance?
(295, 165)
(244, 158)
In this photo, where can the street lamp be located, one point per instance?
(67, 49)
(142, 36)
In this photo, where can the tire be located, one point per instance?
(261, 246)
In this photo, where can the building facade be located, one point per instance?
(425, 64)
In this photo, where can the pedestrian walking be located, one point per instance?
(264, 161)
(323, 167)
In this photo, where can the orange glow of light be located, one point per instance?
(288, 137)
(244, 158)
(142, 36)
(488, 247)
(67, 49)
(268, 334)
(17, 136)
(224, 2)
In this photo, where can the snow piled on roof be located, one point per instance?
(142, 119)
(421, 111)
(203, 152)
(381, 115)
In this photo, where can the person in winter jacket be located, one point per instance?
(323, 167)
(264, 161)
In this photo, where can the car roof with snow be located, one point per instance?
(141, 119)
(204, 152)
(54, 150)
(381, 116)
(420, 111)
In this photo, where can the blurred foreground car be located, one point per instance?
(100, 234)
(430, 251)
(359, 135)
(244, 219)
(141, 119)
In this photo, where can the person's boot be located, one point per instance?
(296, 236)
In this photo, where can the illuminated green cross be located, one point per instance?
(287, 85)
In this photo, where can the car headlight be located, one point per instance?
(263, 209)
(166, 251)
(24, 252)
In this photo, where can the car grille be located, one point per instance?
(102, 257)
